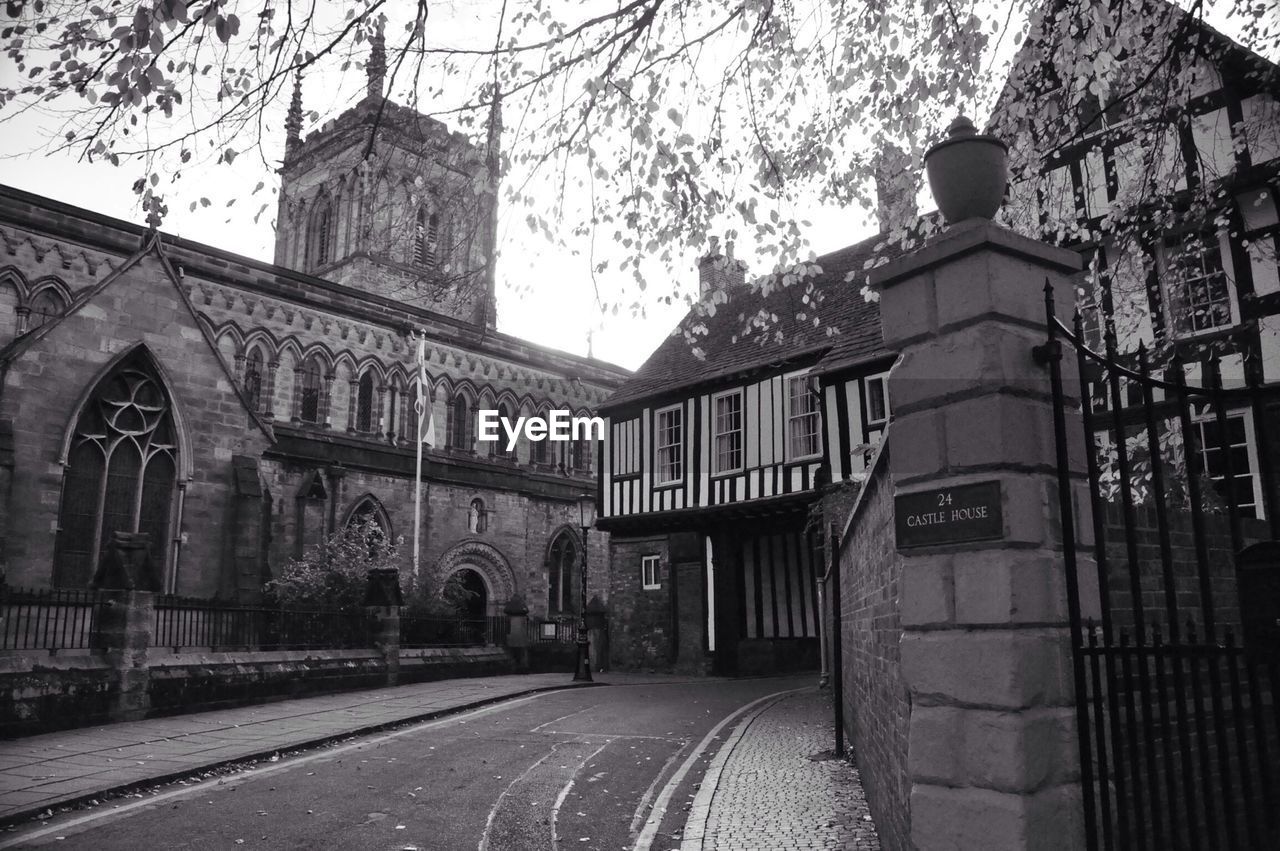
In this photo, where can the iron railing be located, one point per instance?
(47, 619)
(1178, 722)
(182, 622)
(430, 631)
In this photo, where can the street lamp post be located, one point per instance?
(586, 517)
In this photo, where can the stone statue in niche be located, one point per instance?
(477, 517)
(126, 564)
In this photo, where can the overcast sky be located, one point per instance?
(545, 294)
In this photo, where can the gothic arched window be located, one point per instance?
(562, 561)
(320, 236)
(370, 512)
(580, 455)
(426, 239)
(46, 305)
(538, 448)
(498, 448)
(461, 427)
(121, 472)
(253, 379)
(309, 399)
(364, 403)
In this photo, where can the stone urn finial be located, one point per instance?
(967, 172)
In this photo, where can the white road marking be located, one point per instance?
(637, 820)
(614, 735)
(493, 813)
(62, 827)
(564, 793)
(650, 832)
(562, 717)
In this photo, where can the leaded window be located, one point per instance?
(1197, 286)
(121, 472)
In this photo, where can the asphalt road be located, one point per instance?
(579, 769)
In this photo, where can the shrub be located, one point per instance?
(334, 572)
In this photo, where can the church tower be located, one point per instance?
(390, 201)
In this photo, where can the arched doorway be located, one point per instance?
(489, 565)
(474, 603)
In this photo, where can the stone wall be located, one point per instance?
(877, 707)
(44, 693)
(47, 383)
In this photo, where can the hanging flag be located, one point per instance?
(426, 423)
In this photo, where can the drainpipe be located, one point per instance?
(833, 571)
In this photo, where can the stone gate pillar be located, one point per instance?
(985, 646)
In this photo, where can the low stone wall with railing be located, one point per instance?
(74, 658)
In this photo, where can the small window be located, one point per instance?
(877, 399)
(670, 445)
(728, 431)
(650, 573)
(804, 420)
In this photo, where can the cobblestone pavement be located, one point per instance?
(54, 769)
(764, 791)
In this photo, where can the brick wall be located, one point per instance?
(642, 639)
(876, 704)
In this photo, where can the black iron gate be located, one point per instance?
(1176, 689)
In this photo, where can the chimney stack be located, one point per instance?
(897, 182)
(718, 271)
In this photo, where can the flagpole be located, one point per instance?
(420, 406)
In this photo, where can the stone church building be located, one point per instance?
(239, 411)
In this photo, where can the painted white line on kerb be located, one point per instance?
(650, 832)
(116, 812)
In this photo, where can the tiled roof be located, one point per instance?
(847, 328)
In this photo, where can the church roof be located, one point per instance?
(707, 348)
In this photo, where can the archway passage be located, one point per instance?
(474, 605)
